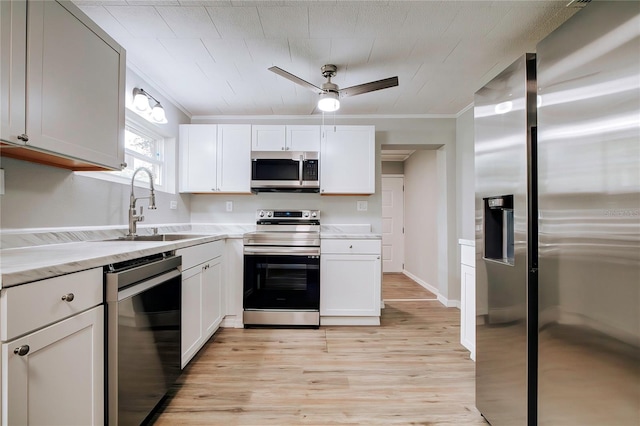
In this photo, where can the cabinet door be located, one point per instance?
(234, 158)
(268, 138)
(60, 380)
(75, 85)
(13, 71)
(211, 296)
(303, 138)
(350, 285)
(468, 308)
(198, 157)
(191, 313)
(347, 160)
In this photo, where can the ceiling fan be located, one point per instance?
(329, 92)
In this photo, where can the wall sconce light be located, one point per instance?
(142, 106)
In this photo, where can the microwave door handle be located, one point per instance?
(300, 169)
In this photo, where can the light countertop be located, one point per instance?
(26, 264)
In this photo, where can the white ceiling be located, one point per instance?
(211, 57)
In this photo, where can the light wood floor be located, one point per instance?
(410, 370)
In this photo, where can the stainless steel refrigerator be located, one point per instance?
(558, 227)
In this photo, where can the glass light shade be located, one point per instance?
(157, 114)
(140, 101)
(329, 102)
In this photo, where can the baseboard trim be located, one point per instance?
(443, 300)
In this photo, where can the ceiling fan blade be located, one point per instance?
(296, 80)
(369, 87)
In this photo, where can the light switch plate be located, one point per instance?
(173, 205)
(362, 206)
(229, 206)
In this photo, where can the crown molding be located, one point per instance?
(327, 117)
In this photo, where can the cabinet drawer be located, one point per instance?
(31, 306)
(468, 255)
(195, 255)
(350, 246)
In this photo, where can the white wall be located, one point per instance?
(465, 181)
(421, 231)
(38, 196)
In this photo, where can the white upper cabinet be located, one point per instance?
(268, 138)
(303, 138)
(347, 160)
(234, 158)
(215, 158)
(198, 157)
(285, 138)
(63, 87)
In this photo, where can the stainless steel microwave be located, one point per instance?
(288, 171)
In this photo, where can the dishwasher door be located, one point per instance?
(144, 322)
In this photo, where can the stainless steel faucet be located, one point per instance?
(134, 218)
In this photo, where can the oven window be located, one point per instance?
(275, 169)
(282, 282)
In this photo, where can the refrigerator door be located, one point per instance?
(589, 207)
(504, 116)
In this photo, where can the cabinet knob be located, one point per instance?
(282, 149)
(351, 246)
(23, 137)
(123, 166)
(22, 350)
(68, 297)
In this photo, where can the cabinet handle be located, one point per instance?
(23, 137)
(22, 350)
(68, 297)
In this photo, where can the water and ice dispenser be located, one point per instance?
(498, 229)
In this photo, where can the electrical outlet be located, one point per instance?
(362, 206)
(173, 205)
(229, 206)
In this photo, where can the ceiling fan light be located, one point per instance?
(329, 102)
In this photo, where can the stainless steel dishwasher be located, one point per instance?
(143, 335)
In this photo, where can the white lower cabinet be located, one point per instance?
(233, 283)
(350, 282)
(203, 301)
(468, 299)
(53, 351)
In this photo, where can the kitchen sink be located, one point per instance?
(158, 237)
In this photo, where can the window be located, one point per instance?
(144, 147)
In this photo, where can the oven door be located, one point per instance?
(282, 278)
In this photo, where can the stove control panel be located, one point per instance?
(288, 215)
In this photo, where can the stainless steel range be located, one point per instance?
(282, 269)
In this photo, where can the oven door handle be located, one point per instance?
(290, 251)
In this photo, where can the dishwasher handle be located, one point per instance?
(143, 286)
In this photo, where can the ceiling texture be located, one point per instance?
(210, 58)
